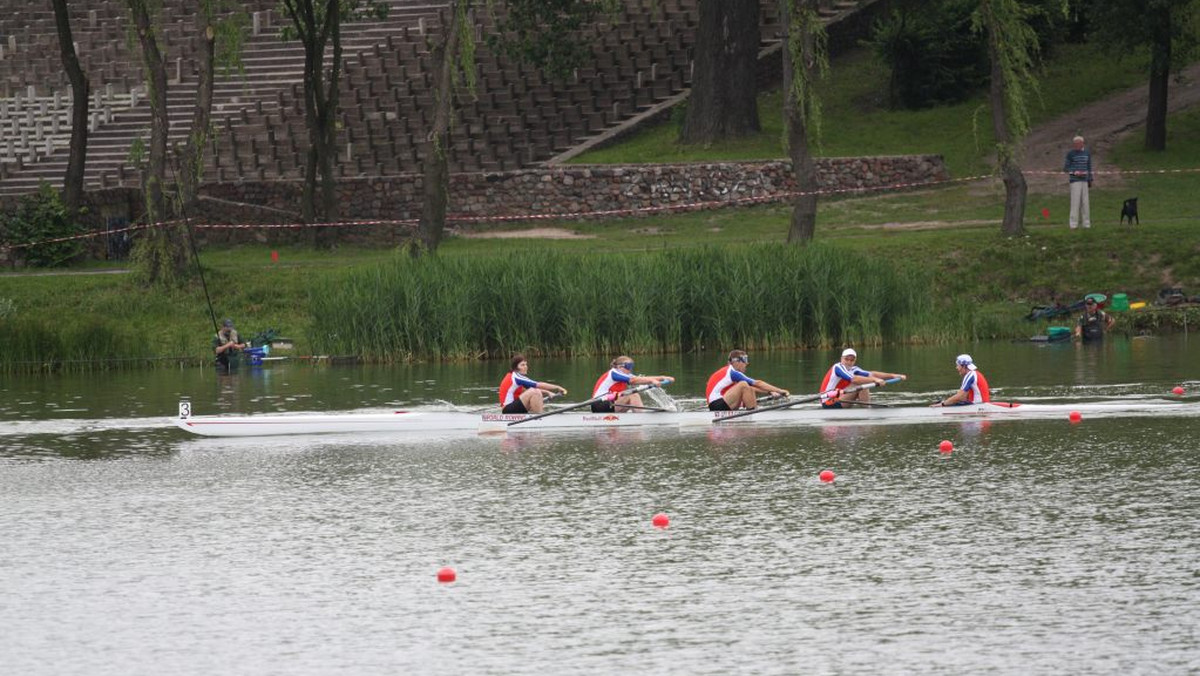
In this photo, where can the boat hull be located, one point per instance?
(434, 422)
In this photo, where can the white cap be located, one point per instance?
(849, 352)
(965, 361)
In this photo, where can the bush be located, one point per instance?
(41, 217)
(934, 55)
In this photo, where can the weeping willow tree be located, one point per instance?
(453, 57)
(159, 256)
(544, 33)
(1012, 49)
(805, 61)
(220, 26)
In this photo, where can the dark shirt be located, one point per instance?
(1078, 165)
(1092, 325)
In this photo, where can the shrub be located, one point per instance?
(41, 217)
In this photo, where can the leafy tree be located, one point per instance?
(723, 102)
(220, 26)
(805, 60)
(1169, 29)
(541, 32)
(159, 255)
(80, 91)
(41, 217)
(1012, 49)
(318, 26)
(933, 55)
(544, 33)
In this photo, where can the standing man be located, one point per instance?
(226, 345)
(847, 372)
(730, 388)
(1078, 167)
(1094, 322)
(974, 388)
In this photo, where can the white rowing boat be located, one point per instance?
(433, 422)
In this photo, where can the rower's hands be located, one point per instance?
(562, 390)
(784, 393)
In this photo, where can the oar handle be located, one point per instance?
(607, 396)
(803, 400)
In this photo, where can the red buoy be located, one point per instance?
(1178, 391)
(1075, 416)
(826, 476)
(660, 520)
(446, 574)
(945, 446)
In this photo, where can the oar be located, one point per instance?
(608, 396)
(803, 400)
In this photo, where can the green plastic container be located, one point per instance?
(1058, 332)
(1120, 302)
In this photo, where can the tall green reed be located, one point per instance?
(753, 296)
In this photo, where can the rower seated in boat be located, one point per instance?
(974, 388)
(614, 383)
(730, 389)
(847, 372)
(521, 394)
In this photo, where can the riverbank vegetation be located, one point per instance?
(923, 265)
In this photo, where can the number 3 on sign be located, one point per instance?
(185, 409)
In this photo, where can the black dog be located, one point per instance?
(1129, 210)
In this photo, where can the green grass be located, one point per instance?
(857, 121)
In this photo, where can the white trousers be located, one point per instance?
(1079, 205)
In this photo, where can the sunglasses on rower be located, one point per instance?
(627, 365)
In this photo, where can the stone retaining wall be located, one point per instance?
(564, 191)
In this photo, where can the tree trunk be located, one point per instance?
(1160, 77)
(1010, 169)
(436, 170)
(723, 102)
(329, 205)
(319, 204)
(161, 257)
(193, 153)
(80, 92)
(804, 207)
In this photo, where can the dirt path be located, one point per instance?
(1103, 124)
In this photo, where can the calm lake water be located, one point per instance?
(130, 547)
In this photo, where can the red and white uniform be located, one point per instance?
(614, 382)
(724, 379)
(840, 377)
(512, 386)
(976, 387)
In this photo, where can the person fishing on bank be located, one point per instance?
(1094, 322)
(730, 389)
(226, 346)
(847, 372)
(974, 388)
(617, 380)
(521, 394)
